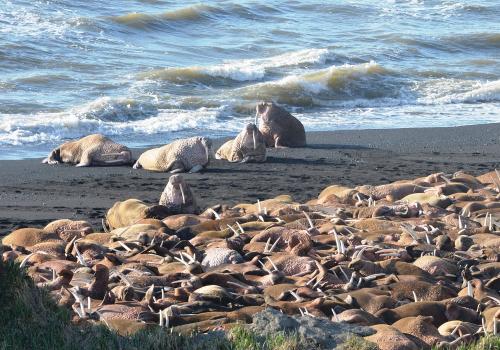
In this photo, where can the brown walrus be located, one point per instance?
(280, 128)
(248, 146)
(95, 149)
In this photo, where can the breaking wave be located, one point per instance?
(145, 20)
(123, 117)
(238, 70)
(347, 82)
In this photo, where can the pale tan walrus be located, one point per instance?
(280, 128)
(183, 155)
(95, 149)
(248, 146)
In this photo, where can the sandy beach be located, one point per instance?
(33, 194)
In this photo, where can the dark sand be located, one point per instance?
(32, 194)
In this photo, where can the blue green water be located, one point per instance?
(146, 72)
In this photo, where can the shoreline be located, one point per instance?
(32, 194)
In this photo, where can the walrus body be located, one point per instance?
(183, 155)
(248, 146)
(280, 128)
(95, 149)
(129, 212)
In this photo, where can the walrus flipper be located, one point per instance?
(195, 169)
(85, 160)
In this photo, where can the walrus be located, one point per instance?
(279, 128)
(95, 149)
(248, 146)
(182, 155)
(177, 193)
(130, 211)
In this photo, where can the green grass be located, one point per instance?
(486, 343)
(489, 342)
(31, 320)
(357, 343)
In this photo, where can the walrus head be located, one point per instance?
(251, 136)
(54, 157)
(262, 109)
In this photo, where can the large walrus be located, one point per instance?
(183, 155)
(248, 146)
(280, 128)
(95, 149)
(131, 211)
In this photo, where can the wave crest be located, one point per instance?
(238, 70)
(347, 82)
(145, 20)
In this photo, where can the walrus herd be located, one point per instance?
(276, 128)
(417, 260)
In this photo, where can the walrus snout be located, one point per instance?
(261, 107)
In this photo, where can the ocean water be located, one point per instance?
(149, 71)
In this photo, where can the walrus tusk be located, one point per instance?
(79, 256)
(460, 224)
(296, 296)
(266, 247)
(274, 245)
(311, 225)
(264, 267)
(124, 246)
(335, 316)
(217, 216)
(343, 273)
(25, 260)
(274, 266)
(104, 226)
(239, 226)
(237, 284)
(232, 229)
(254, 140)
(470, 290)
(182, 193)
(415, 296)
(455, 329)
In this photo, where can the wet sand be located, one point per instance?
(32, 194)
